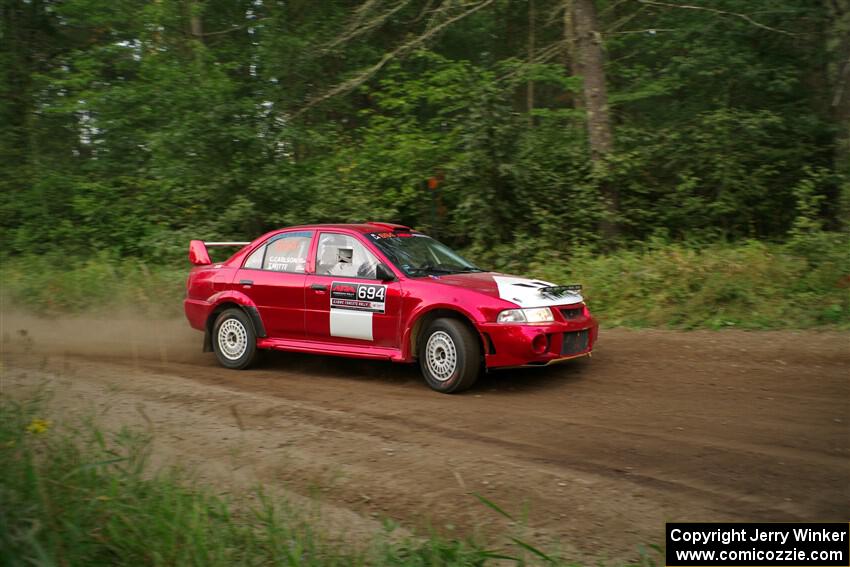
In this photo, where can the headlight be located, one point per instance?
(536, 315)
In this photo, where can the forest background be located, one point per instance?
(688, 162)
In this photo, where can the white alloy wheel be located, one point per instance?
(232, 339)
(441, 355)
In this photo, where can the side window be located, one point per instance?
(344, 256)
(287, 253)
(283, 253)
(255, 260)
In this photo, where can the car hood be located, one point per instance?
(522, 292)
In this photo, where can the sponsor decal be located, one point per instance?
(287, 244)
(352, 308)
(358, 297)
(282, 263)
(560, 291)
(400, 234)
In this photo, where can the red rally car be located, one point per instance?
(381, 291)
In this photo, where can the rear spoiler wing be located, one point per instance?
(198, 254)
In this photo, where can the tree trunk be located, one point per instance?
(839, 37)
(591, 61)
(196, 24)
(841, 82)
(590, 57)
(529, 91)
(841, 110)
(571, 62)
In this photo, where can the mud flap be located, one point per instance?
(259, 328)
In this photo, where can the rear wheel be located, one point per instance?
(449, 356)
(234, 341)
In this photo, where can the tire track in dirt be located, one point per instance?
(759, 510)
(658, 426)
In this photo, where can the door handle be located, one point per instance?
(318, 287)
(246, 282)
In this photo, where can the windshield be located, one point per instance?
(419, 255)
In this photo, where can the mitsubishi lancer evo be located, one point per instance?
(380, 291)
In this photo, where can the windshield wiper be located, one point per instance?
(432, 270)
(429, 269)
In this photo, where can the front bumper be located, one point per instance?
(518, 345)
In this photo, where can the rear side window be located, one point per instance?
(283, 253)
(255, 260)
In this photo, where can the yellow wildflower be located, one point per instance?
(38, 426)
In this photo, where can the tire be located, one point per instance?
(233, 339)
(449, 356)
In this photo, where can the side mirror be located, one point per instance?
(384, 273)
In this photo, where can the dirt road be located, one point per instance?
(658, 426)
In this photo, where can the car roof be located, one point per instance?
(364, 227)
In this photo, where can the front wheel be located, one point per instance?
(449, 356)
(234, 341)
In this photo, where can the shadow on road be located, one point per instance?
(375, 371)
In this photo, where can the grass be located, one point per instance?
(78, 495)
(752, 285)
(97, 285)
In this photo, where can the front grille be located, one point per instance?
(571, 313)
(574, 342)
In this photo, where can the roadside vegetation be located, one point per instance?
(75, 494)
(749, 285)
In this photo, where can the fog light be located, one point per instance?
(539, 344)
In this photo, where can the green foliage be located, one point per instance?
(751, 286)
(127, 134)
